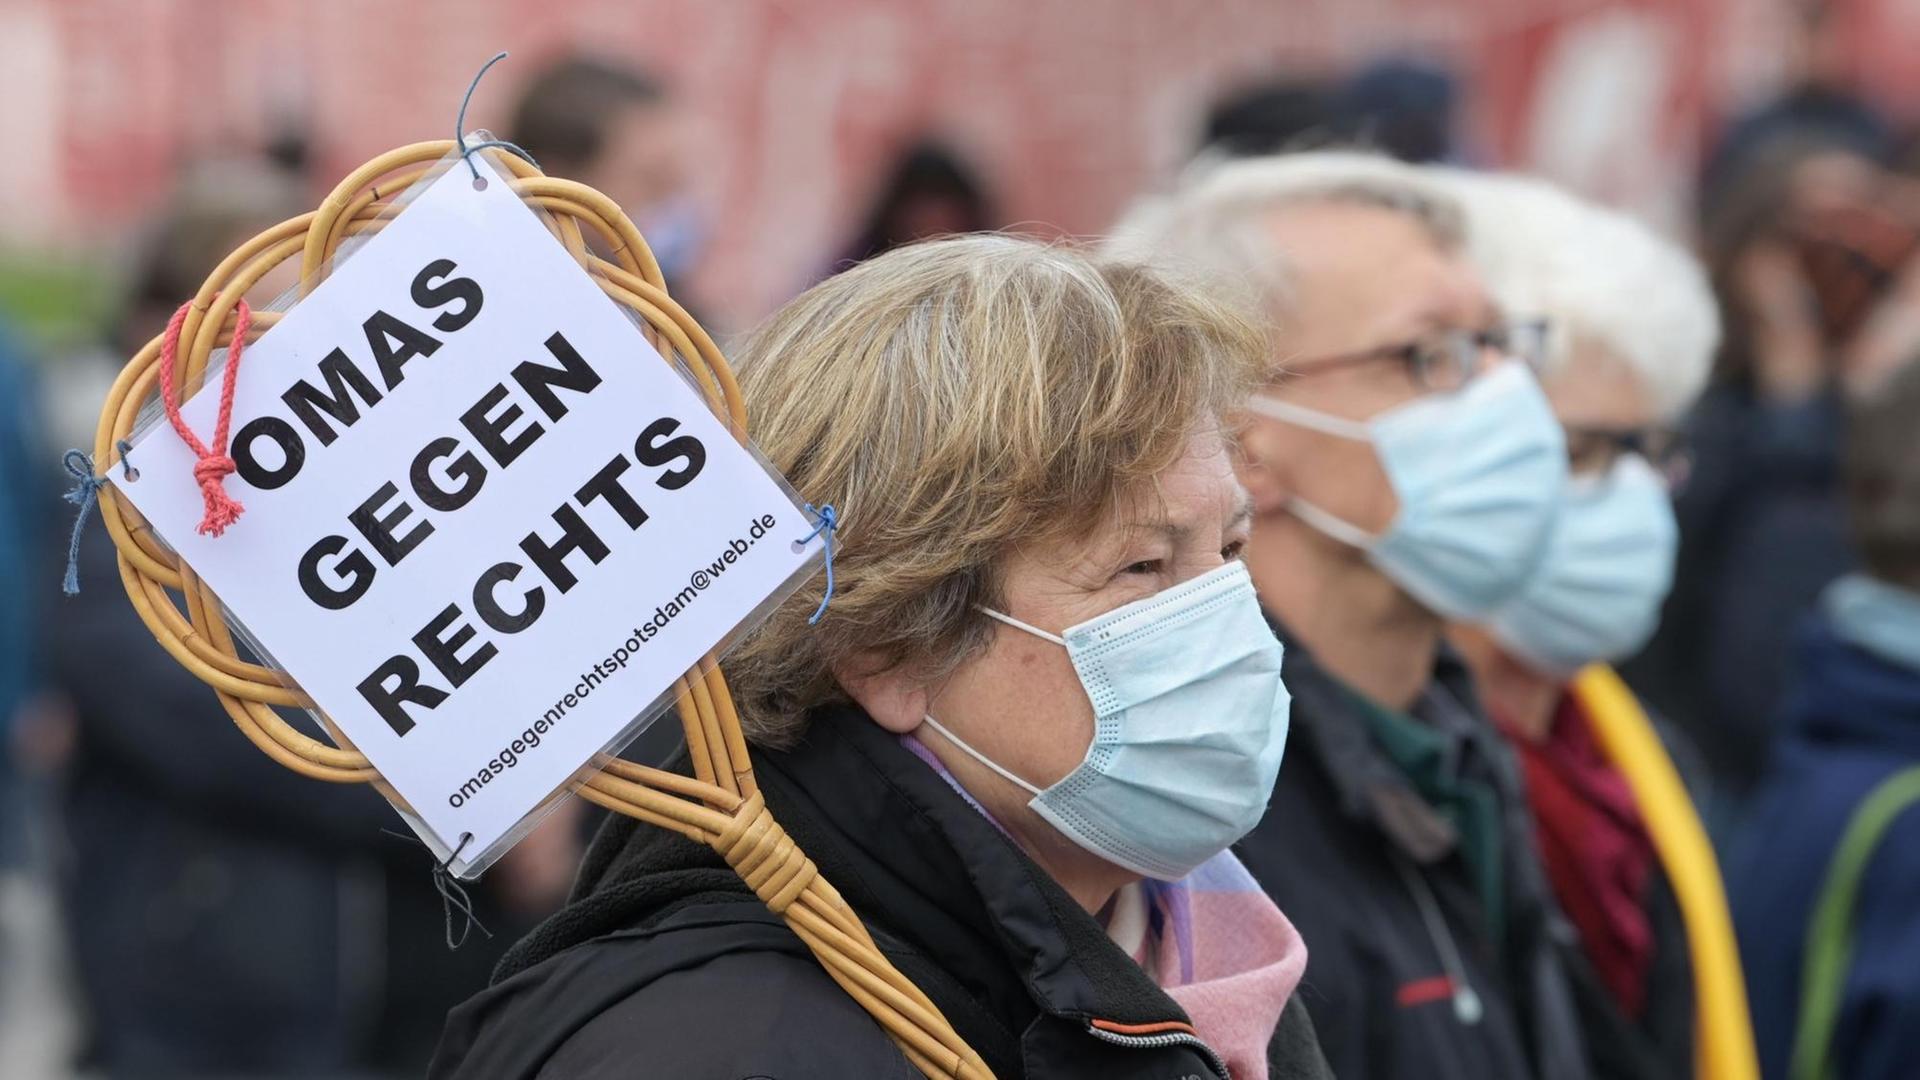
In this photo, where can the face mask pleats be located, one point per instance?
(1190, 724)
(1477, 476)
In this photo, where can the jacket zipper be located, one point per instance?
(1467, 1006)
(1164, 1039)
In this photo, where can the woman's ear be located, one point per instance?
(889, 693)
(1256, 459)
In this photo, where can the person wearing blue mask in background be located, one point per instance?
(1631, 331)
(1826, 872)
(1405, 469)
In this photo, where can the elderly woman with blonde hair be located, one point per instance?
(1040, 708)
(1631, 329)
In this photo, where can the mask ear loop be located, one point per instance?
(1018, 625)
(962, 743)
(978, 756)
(1313, 419)
(1346, 532)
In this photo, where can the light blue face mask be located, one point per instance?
(1477, 473)
(1881, 618)
(1608, 565)
(1190, 720)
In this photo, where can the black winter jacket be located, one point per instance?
(665, 965)
(1373, 878)
(1660, 1044)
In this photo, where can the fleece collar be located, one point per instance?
(952, 900)
(943, 878)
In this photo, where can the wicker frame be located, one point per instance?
(720, 804)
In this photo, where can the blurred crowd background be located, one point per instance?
(761, 145)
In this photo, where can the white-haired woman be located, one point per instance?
(1038, 711)
(1631, 330)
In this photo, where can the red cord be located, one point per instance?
(213, 465)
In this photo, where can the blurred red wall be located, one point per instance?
(1070, 107)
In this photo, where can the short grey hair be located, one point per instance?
(1213, 222)
(1598, 277)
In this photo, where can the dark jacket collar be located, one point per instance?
(957, 906)
(1326, 724)
(1372, 791)
(943, 878)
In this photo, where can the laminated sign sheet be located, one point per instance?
(486, 525)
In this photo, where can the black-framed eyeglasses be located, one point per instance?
(1593, 450)
(1447, 360)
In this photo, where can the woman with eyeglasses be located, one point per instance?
(1630, 330)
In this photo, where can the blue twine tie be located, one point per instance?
(460, 125)
(85, 492)
(827, 522)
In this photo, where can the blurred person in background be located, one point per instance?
(614, 127)
(32, 1021)
(215, 206)
(1015, 742)
(1813, 256)
(1631, 329)
(1399, 106)
(26, 491)
(1826, 874)
(26, 501)
(1404, 468)
(1820, 102)
(1270, 118)
(225, 917)
(929, 192)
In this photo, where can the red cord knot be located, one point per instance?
(213, 465)
(222, 509)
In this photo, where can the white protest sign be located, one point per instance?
(485, 523)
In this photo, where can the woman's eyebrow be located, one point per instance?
(1242, 511)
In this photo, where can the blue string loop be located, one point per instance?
(826, 523)
(460, 125)
(85, 492)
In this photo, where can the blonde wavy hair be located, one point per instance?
(957, 400)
